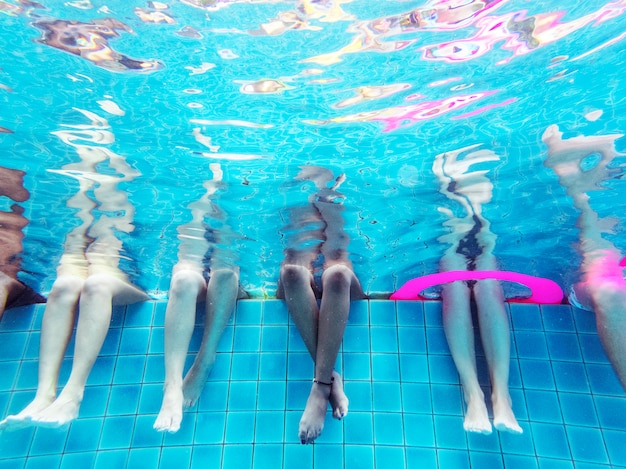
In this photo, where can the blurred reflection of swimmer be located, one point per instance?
(313, 230)
(434, 15)
(12, 291)
(327, 11)
(285, 21)
(88, 274)
(203, 248)
(602, 287)
(471, 248)
(90, 41)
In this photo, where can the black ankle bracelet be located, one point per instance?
(317, 381)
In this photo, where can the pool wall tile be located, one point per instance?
(419, 430)
(236, 457)
(143, 457)
(175, 457)
(490, 460)
(417, 458)
(109, 459)
(406, 403)
(358, 457)
(84, 435)
(144, 434)
(72, 461)
(203, 456)
(47, 441)
(210, 428)
(578, 409)
(587, 444)
(359, 429)
(140, 314)
(43, 462)
(382, 313)
(389, 457)
(558, 318)
(410, 313)
(449, 432)
(249, 312)
(411, 340)
(270, 427)
(267, 455)
(388, 429)
(117, 432)
(385, 367)
(297, 455)
(432, 314)
(275, 313)
(453, 459)
(359, 313)
(484, 443)
(513, 461)
(525, 317)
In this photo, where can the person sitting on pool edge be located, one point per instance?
(321, 327)
(89, 278)
(13, 292)
(471, 248)
(602, 287)
(188, 287)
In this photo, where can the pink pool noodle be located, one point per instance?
(542, 289)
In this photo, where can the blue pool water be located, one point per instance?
(215, 90)
(117, 117)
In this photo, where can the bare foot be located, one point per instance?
(312, 421)
(61, 412)
(23, 419)
(338, 399)
(171, 413)
(476, 417)
(193, 384)
(503, 418)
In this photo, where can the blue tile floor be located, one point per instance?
(405, 399)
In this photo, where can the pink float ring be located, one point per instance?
(542, 289)
(622, 263)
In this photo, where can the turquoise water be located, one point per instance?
(119, 112)
(274, 100)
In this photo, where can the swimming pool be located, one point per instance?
(121, 114)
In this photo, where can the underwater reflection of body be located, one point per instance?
(435, 15)
(326, 11)
(90, 41)
(200, 244)
(602, 287)
(471, 248)
(313, 230)
(89, 278)
(12, 291)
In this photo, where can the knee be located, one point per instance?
(96, 287)
(66, 287)
(291, 274)
(337, 277)
(185, 280)
(225, 276)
